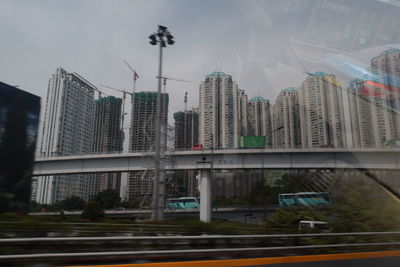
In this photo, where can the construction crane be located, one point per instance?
(135, 75)
(172, 79)
(123, 102)
(99, 92)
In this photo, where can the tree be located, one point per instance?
(365, 209)
(72, 203)
(263, 194)
(93, 211)
(107, 199)
(175, 184)
(131, 204)
(290, 218)
(291, 183)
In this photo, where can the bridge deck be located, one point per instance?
(223, 160)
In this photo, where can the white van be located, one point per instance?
(316, 225)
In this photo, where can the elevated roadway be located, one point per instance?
(235, 159)
(385, 158)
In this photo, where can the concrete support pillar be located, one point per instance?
(205, 195)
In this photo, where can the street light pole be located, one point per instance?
(159, 183)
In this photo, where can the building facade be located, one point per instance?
(107, 138)
(242, 116)
(67, 130)
(186, 129)
(374, 102)
(108, 134)
(142, 138)
(142, 132)
(365, 114)
(218, 111)
(386, 72)
(259, 118)
(286, 119)
(183, 182)
(321, 112)
(19, 121)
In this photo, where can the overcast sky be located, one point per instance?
(253, 40)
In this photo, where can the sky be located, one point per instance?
(266, 45)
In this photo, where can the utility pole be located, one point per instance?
(162, 37)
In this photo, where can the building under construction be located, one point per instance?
(108, 138)
(186, 136)
(142, 135)
(186, 129)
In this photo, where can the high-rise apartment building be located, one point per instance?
(218, 111)
(259, 118)
(107, 138)
(321, 112)
(142, 138)
(374, 102)
(242, 116)
(286, 119)
(386, 72)
(67, 130)
(142, 132)
(186, 129)
(107, 135)
(365, 114)
(186, 137)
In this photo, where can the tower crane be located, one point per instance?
(135, 75)
(123, 102)
(172, 79)
(99, 92)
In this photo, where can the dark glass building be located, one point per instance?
(19, 121)
(186, 129)
(108, 138)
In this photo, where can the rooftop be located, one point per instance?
(108, 98)
(390, 51)
(217, 74)
(258, 99)
(291, 89)
(148, 96)
(362, 78)
(320, 74)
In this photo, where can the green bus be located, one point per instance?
(186, 203)
(304, 199)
